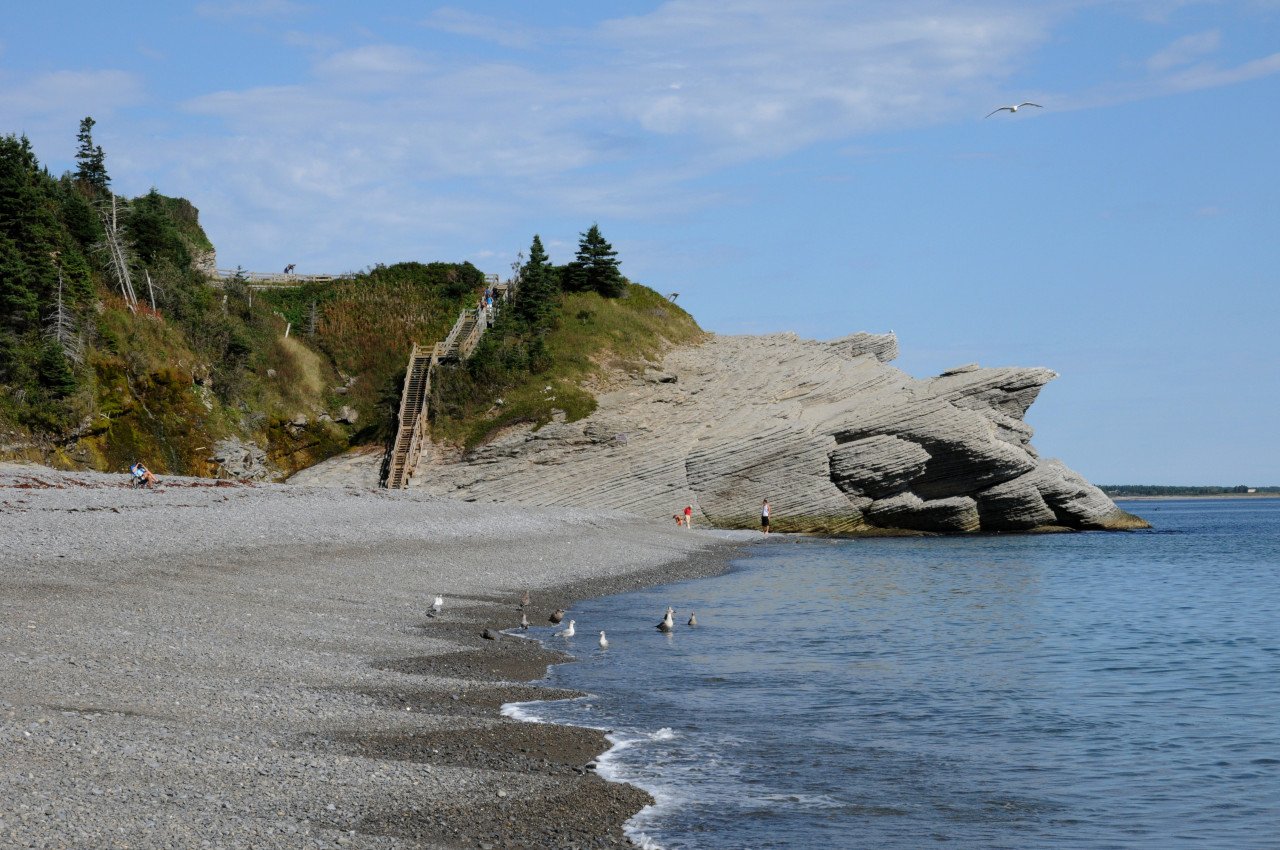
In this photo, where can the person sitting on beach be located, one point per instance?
(142, 476)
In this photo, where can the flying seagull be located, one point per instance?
(1012, 109)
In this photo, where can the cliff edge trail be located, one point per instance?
(837, 440)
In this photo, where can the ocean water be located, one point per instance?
(1101, 690)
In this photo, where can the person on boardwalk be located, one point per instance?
(688, 516)
(764, 516)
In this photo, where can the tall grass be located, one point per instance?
(515, 379)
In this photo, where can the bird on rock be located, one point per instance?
(668, 624)
(524, 622)
(604, 641)
(693, 619)
(436, 606)
(524, 600)
(1012, 108)
(567, 632)
(556, 615)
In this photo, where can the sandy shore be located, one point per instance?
(212, 665)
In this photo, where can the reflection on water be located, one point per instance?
(1089, 690)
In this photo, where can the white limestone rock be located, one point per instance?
(832, 436)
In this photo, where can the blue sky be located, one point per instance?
(816, 166)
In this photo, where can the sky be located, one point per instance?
(815, 166)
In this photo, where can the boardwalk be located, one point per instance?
(413, 421)
(269, 280)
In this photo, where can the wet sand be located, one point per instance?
(254, 666)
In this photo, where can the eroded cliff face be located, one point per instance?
(835, 438)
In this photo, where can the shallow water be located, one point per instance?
(1087, 690)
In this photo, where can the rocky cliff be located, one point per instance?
(835, 438)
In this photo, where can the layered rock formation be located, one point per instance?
(835, 438)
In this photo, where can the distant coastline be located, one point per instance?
(1165, 498)
(1138, 491)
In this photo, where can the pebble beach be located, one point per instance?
(213, 664)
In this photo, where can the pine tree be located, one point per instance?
(92, 167)
(536, 297)
(595, 268)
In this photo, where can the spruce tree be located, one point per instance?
(595, 268)
(92, 167)
(536, 298)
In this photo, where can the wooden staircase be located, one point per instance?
(411, 427)
(413, 413)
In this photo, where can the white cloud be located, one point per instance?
(62, 92)
(387, 147)
(461, 22)
(1207, 76)
(385, 144)
(311, 41)
(381, 60)
(759, 77)
(1185, 50)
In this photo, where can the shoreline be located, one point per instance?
(254, 666)
(1205, 496)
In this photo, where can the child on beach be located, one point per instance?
(764, 516)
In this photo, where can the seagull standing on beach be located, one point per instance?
(524, 622)
(668, 624)
(556, 615)
(436, 606)
(524, 600)
(567, 632)
(604, 641)
(1012, 108)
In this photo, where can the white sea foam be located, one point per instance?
(638, 837)
(520, 711)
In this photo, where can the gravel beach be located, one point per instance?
(210, 664)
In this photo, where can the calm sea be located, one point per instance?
(1069, 691)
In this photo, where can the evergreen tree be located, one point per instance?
(92, 167)
(536, 298)
(595, 267)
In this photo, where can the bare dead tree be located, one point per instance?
(117, 249)
(151, 290)
(60, 326)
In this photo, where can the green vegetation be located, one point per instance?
(1121, 490)
(536, 363)
(367, 325)
(90, 379)
(106, 361)
(595, 268)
